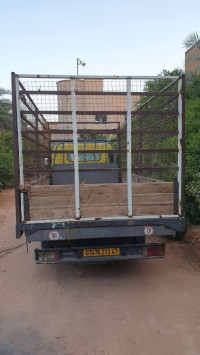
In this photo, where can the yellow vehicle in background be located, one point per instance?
(83, 157)
(93, 155)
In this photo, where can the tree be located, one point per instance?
(191, 40)
(6, 145)
(5, 111)
(6, 159)
(192, 138)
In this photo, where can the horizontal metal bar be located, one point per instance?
(35, 114)
(114, 77)
(33, 140)
(161, 91)
(42, 133)
(115, 218)
(106, 93)
(149, 112)
(136, 151)
(101, 131)
(152, 168)
(158, 108)
(158, 122)
(33, 103)
(83, 122)
(39, 153)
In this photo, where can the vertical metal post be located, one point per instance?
(75, 144)
(119, 154)
(129, 172)
(21, 170)
(15, 149)
(77, 66)
(140, 139)
(37, 160)
(180, 145)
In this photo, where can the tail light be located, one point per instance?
(154, 250)
(48, 256)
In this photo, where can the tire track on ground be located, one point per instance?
(6, 251)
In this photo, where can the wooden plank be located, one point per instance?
(153, 199)
(142, 210)
(98, 189)
(101, 200)
(51, 190)
(98, 211)
(51, 202)
(121, 210)
(153, 187)
(52, 213)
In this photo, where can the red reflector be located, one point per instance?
(49, 256)
(56, 256)
(155, 251)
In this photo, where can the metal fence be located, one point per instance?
(97, 129)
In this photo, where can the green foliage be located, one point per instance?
(192, 139)
(5, 111)
(6, 160)
(158, 85)
(192, 152)
(192, 86)
(6, 141)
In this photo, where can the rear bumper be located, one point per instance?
(75, 255)
(100, 229)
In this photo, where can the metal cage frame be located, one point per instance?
(18, 89)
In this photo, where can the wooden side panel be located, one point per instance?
(102, 200)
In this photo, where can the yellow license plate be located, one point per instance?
(101, 252)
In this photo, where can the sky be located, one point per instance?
(126, 37)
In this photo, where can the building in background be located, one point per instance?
(192, 59)
(94, 104)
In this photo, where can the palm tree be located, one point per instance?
(191, 40)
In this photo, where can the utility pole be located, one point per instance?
(79, 62)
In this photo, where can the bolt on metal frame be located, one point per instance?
(18, 136)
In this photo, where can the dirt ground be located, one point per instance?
(132, 307)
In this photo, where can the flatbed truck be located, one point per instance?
(99, 165)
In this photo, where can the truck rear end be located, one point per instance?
(98, 165)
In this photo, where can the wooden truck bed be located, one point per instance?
(48, 202)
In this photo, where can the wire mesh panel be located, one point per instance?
(99, 147)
